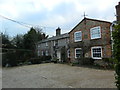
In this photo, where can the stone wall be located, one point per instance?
(85, 25)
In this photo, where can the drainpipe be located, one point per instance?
(111, 30)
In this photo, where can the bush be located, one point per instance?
(55, 60)
(117, 75)
(35, 60)
(85, 61)
(9, 58)
(40, 59)
(116, 48)
(105, 63)
(4, 59)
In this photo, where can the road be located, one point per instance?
(52, 75)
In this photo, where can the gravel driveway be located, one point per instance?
(56, 76)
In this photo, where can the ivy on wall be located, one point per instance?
(116, 48)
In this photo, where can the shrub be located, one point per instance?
(116, 48)
(11, 59)
(75, 62)
(85, 61)
(55, 60)
(4, 59)
(105, 63)
(35, 61)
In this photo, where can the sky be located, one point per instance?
(51, 14)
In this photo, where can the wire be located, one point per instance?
(21, 23)
(28, 25)
(25, 24)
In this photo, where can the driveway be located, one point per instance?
(56, 76)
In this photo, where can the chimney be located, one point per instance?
(118, 11)
(58, 31)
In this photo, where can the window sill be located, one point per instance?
(77, 40)
(95, 38)
(96, 58)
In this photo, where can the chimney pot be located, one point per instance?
(58, 31)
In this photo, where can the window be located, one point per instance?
(54, 43)
(78, 36)
(95, 32)
(78, 52)
(42, 53)
(38, 53)
(68, 52)
(96, 52)
(46, 44)
(38, 46)
(46, 53)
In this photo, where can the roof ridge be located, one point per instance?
(90, 19)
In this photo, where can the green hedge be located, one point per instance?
(85, 61)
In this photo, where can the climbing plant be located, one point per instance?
(116, 53)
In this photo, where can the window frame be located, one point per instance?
(75, 36)
(92, 52)
(75, 51)
(42, 53)
(46, 53)
(46, 44)
(92, 31)
(68, 53)
(38, 52)
(54, 43)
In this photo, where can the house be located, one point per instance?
(118, 11)
(90, 39)
(55, 46)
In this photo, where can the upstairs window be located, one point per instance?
(95, 32)
(96, 52)
(78, 36)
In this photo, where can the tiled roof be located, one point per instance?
(66, 35)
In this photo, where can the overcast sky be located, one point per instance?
(50, 14)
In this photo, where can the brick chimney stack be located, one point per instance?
(58, 31)
(118, 12)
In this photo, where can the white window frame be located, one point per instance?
(75, 36)
(46, 52)
(46, 44)
(54, 43)
(38, 46)
(68, 53)
(38, 52)
(42, 53)
(91, 30)
(92, 52)
(75, 51)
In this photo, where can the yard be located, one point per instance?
(56, 76)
